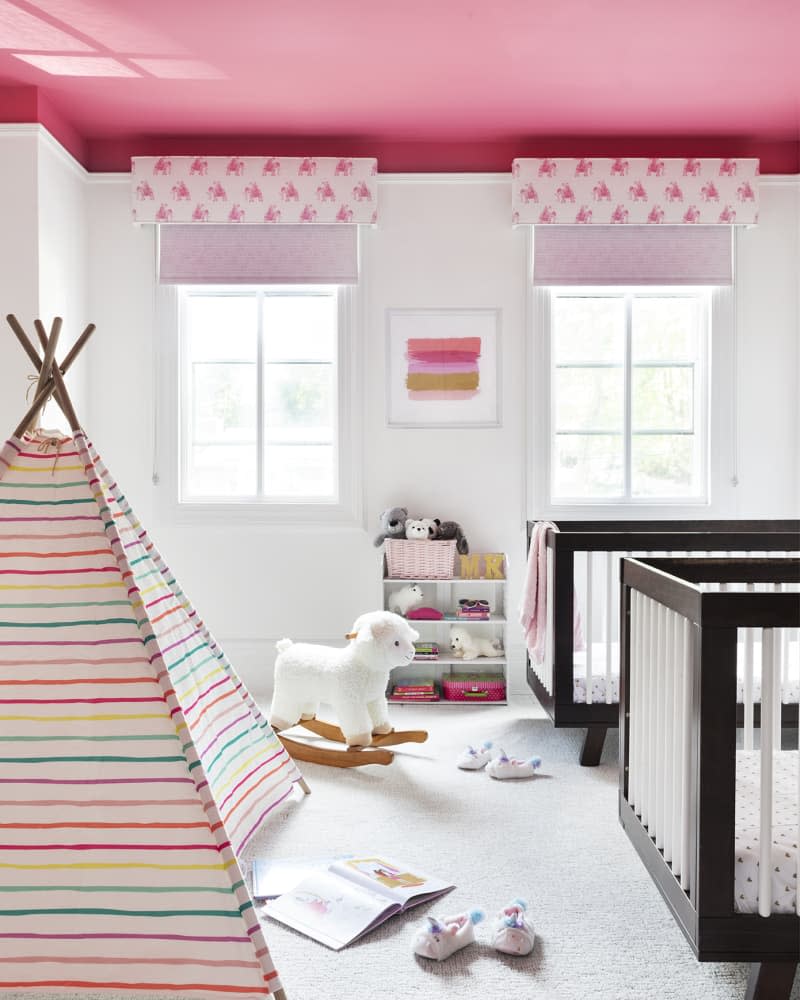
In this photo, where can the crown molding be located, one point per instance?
(388, 179)
(37, 130)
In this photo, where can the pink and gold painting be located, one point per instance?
(442, 367)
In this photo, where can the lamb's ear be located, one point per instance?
(381, 630)
(437, 522)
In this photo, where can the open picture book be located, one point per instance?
(338, 905)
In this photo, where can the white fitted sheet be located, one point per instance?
(790, 694)
(785, 837)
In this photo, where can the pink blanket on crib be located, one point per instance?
(533, 606)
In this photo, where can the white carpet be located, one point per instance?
(603, 931)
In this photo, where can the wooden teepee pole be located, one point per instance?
(47, 364)
(50, 386)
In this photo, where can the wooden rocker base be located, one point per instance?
(374, 754)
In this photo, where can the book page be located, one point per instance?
(274, 876)
(401, 883)
(330, 909)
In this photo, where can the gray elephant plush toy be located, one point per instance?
(451, 529)
(393, 525)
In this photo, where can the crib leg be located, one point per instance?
(593, 746)
(770, 980)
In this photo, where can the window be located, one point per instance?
(628, 394)
(260, 394)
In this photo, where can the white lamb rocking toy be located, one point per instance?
(353, 680)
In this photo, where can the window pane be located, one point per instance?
(587, 328)
(223, 403)
(300, 327)
(299, 402)
(222, 327)
(663, 399)
(589, 399)
(221, 471)
(663, 465)
(299, 471)
(588, 465)
(665, 328)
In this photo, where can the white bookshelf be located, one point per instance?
(444, 595)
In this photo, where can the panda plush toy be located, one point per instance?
(421, 530)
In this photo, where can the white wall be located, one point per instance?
(440, 243)
(43, 259)
(63, 247)
(19, 267)
(768, 337)
(69, 248)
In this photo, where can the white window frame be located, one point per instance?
(172, 422)
(716, 396)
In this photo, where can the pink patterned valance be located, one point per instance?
(634, 191)
(274, 189)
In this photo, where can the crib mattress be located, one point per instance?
(785, 837)
(790, 694)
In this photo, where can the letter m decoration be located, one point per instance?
(470, 567)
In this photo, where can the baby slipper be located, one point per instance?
(472, 759)
(439, 937)
(509, 767)
(512, 933)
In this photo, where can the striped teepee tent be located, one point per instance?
(134, 766)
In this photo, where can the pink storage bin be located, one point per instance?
(422, 560)
(473, 687)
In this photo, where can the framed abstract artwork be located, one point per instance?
(443, 367)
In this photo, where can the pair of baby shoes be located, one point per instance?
(511, 933)
(498, 765)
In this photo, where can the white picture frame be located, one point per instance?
(454, 384)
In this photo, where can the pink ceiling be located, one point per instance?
(422, 84)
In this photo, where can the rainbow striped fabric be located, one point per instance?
(133, 763)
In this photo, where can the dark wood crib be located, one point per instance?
(687, 801)
(589, 551)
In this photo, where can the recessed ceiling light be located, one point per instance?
(21, 30)
(77, 65)
(180, 69)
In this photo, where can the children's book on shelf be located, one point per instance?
(426, 651)
(421, 690)
(352, 897)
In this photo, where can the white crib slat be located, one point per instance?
(765, 834)
(633, 701)
(658, 783)
(647, 708)
(588, 627)
(686, 783)
(667, 716)
(748, 684)
(609, 599)
(651, 715)
(677, 741)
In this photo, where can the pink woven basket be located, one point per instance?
(422, 560)
(474, 687)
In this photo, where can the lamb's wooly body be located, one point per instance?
(352, 679)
